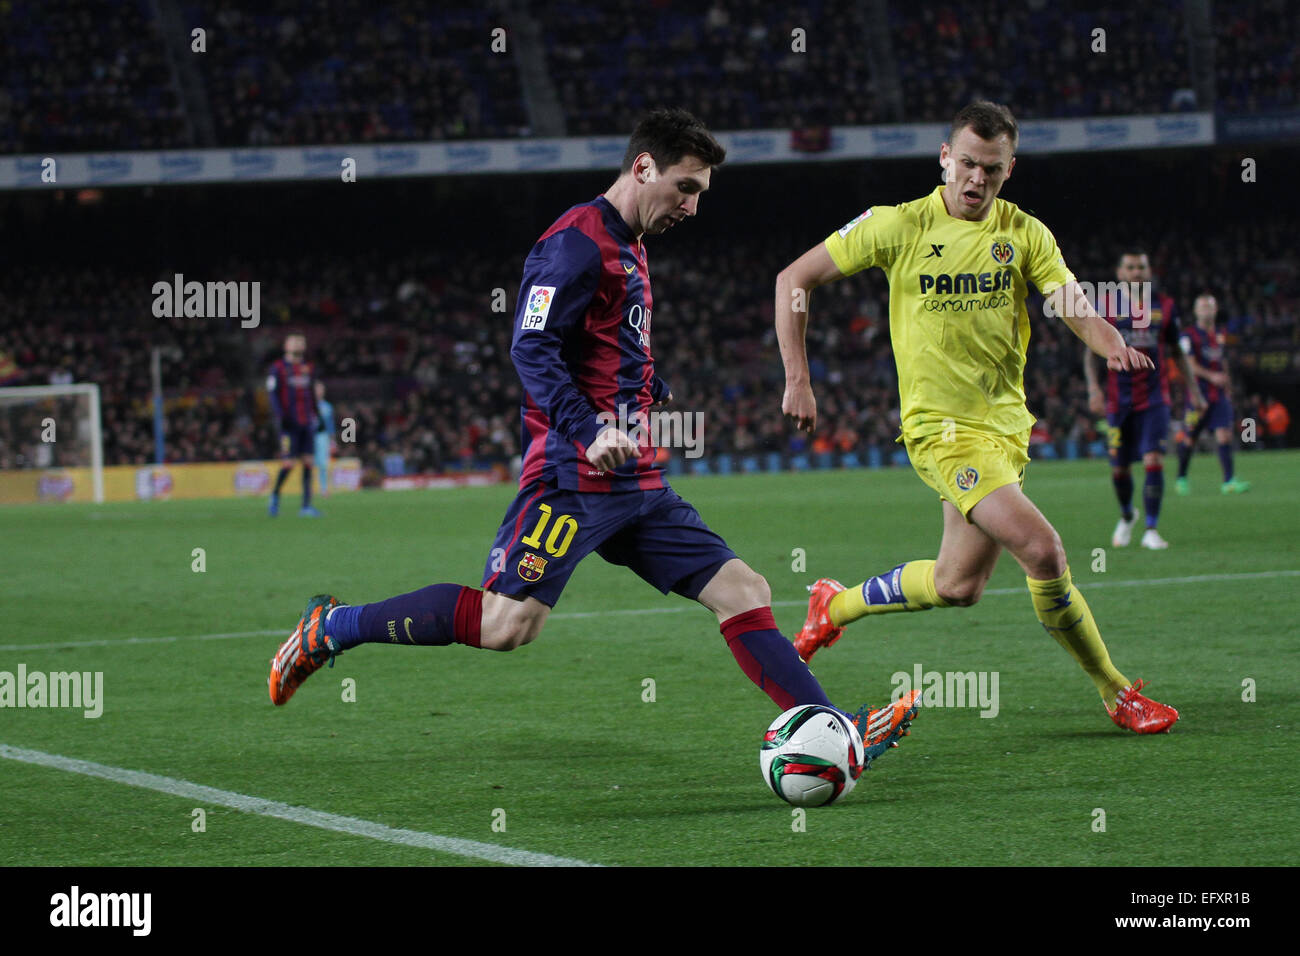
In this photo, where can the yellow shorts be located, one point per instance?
(969, 466)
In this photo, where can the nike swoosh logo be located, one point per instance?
(407, 624)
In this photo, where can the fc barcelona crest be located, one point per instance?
(532, 567)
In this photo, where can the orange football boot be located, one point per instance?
(881, 727)
(307, 648)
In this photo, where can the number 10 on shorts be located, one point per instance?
(561, 536)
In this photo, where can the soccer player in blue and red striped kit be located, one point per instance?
(1204, 346)
(1137, 403)
(291, 385)
(581, 347)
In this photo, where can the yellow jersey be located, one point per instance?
(957, 316)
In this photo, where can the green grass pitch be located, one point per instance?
(557, 735)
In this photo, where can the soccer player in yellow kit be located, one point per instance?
(959, 262)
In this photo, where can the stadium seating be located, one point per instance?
(79, 76)
(407, 355)
(302, 71)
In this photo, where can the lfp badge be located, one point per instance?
(538, 307)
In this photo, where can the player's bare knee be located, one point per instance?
(746, 590)
(758, 592)
(1044, 557)
(735, 589)
(518, 636)
(960, 593)
(509, 635)
(509, 623)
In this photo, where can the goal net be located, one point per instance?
(52, 427)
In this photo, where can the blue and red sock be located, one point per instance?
(1152, 492)
(1225, 460)
(770, 660)
(1123, 482)
(437, 615)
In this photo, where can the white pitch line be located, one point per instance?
(1191, 579)
(123, 641)
(283, 811)
(678, 608)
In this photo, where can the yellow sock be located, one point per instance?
(909, 587)
(1066, 616)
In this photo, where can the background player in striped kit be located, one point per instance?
(291, 386)
(1137, 402)
(1203, 345)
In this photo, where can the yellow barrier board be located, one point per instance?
(149, 482)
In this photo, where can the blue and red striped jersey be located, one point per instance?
(293, 392)
(582, 350)
(1207, 349)
(1137, 391)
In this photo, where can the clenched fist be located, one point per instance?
(611, 448)
(799, 404)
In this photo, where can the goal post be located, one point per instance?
(53, 426)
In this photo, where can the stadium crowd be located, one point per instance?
(1051, 59)
(100, 76)
(414, 354)
(410, 345)
(78, 76)
(350, 72)
(1255, 61)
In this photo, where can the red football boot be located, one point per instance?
(818, 631)
(1140, 714)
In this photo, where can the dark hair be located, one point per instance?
(1132, 249)
(668, 135)
(988, 120)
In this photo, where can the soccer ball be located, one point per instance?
(811, 755)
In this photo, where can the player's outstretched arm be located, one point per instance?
(794, 286)
(1072, 305)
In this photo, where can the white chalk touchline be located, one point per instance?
(283, 811)
(677, 608)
